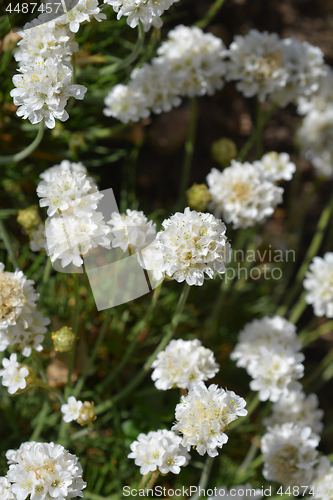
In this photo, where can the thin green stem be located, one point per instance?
(189, 151)
(307, 337)
(82, 379)
(45, 385)
(143, 372)
(211, 13)
(318, 371)
(5, 160)
(250, 455)
(260, 122)
(46, 275)
(204, 477)
(41, 420)
(298, 309)
(8, 244)
(312, 251)
(113, 68)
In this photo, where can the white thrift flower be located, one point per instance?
(319, 283)
(204, 414)
(275, 167)
(151, 259)
(132, 231)
(256, 61)
(269, 350)
(195, 58)
(323, 483)
(37, 238)
(71, 410)
(193, 243)
(241, 195)
(238, 492)
(14, 376)
(70, 238)
(290, 454)
(65, 167)
(44, 471)
(125, 104)
(17, 298)
(298, 408)
(78, 12)
(43, 89)
(6, 489)
(182, 364)
(161, 450)
(45, 40)
(148, 12)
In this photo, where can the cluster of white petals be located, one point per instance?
(269, 350)
(71, 410)
(14, 375)
(319, 283)
(276, 166)
(190, 63)
(21, 325)
(191, 245)
(148, 12)
(266, 66)
(242, 194)
(159, 450)
(131, 231)
(44, 471)
(298, 408)
(204, 414)
(77, 12)
(37, 238)
(323, 483)
(290, 454)
(74, 225)
(316, 132)
(182, 364)
(6, 489)
(237, 492)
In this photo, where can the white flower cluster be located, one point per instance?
(237, 492)
(83, 413)
(148, 12)
(5, 489)
(43, 471)
(192, 244)
(14, 375)
(131, 231)
(269, 350)
(74, 225)
(204, 414)
(276, 167)
(316, 132)
(319, 283)
(189, 64)
(44, 83)
(290, 454)
(266, 66)
(182, 364)
(243, 194)
(159, 450)
(298, 408)
(322, 485)
(21, 325)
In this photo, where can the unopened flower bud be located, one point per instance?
(198, 197)
(29, 218)
(223, 151)
(63, 339)
(87, 414)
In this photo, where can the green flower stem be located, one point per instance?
(8, 244)
(298, 309)
(45, 385)
(5, 160)
(64, 426)
(319, 371)
(252, 451)
(307, 337)
(80, 383)
(41, 420)
(113, 68)
(330, 457)
(143, 372)
(254, 403)
(189, 151)
(312, 251)
(211, 13)
(138, 329)
(260, 123)
(204, 477)
(46, 276)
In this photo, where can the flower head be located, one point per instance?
(204, 414)
(6, 489)
(132, 231)
(319, 283)
(275, 167)
(161, 450)
(14, 375)
(71, 410)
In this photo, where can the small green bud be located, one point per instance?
(63, 339)
(87, 414)
(29, 218)
(198, 197)
(223, 151)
